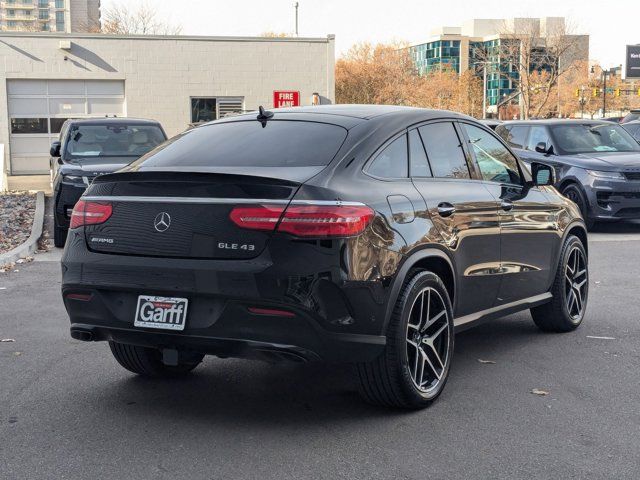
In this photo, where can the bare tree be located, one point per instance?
(120, 19)
(386, 74)
(533, 60)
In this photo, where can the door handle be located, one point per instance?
(445, 209)
(506, 205)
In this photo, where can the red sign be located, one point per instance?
(286, 98)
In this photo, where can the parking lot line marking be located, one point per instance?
(600, 338)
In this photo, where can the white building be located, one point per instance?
(175, 80)
(50, 15)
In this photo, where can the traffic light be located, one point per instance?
(577, 92)
(639, 92)
(596, 92)
(616, 92)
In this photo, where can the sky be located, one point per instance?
(611, 25)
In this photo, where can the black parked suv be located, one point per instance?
(363, 234)
(597, 163)
(91, 147)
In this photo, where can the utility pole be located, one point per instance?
(296, 7)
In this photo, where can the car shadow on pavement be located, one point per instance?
(617, 227)
(230, 391)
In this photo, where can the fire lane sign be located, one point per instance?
(286, 98)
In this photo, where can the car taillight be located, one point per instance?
(318, 221)
(257, 217)
(90, 213)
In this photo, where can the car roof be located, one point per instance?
(349, 116)
(113, 120)
(557, 121)
(632, 122)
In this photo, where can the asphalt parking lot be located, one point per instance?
(67, 410)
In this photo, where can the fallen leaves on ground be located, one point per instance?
(538, 391)
(490, 362)
(7, 340)
(16, 218)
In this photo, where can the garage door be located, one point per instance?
(38, 108)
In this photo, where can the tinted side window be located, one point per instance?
(634, 130)
(392, 162)
(419, 166)
(444, 150)
(517, 136)
(538, 134)
(495, 161)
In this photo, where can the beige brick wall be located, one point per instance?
(162, 73)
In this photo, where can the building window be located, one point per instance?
(56, 124)
(11, 13)
(203, 110)
(44, 27)
(60, 21)
(59, 3)
(29, 125)
(11, 24)
(43, 14)
(212, 108)
(43, 3)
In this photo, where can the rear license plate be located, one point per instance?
(161, 312)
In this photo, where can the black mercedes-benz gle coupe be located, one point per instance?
(358, 234)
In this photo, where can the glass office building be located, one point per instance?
(441, 54)
(483, 43)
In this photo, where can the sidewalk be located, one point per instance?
(29, 182)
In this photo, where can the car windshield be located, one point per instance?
(590, 138)
(121, 140)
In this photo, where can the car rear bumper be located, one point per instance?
(327, 317)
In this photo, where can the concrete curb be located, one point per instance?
(31, 244)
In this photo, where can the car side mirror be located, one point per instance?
(541, 147)
(542, 174)
(55, 149)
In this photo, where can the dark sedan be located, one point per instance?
(597, 163)
(88, 148)
(360, 234)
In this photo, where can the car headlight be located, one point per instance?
(609, 175)
(75, 179)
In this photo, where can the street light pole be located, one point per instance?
(296, 7)
(604, 95)
(484, 90)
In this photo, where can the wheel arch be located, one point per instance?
(565, 182)
(431, 259)
(578, 230)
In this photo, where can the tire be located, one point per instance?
(392, 379)
(147, 361)
(59, 236)
(561, 314)
(573, 193)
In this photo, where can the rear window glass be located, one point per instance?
(279, 143)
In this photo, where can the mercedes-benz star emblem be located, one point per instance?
(162, 221)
